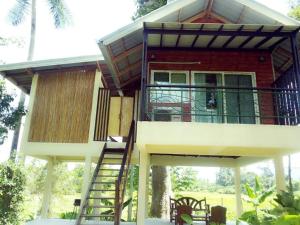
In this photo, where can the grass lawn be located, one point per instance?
(59, 204)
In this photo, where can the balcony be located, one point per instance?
(230, 105)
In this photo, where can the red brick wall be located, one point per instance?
(229, 61)
(215, 61)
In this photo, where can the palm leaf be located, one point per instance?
(257, 184)
(17, 14)
(264, 195)
(250, 191)
(60, 13)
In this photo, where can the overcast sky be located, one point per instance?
(92, 19)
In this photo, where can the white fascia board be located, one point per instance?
(51, 62)
(110, 66)
(151, 17)
(269, 12)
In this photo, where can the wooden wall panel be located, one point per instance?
(120, 116)
(62, 107)
(102, 115)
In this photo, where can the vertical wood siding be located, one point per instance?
(102, 115)
(62, 107)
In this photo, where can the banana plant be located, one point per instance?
(256, 196)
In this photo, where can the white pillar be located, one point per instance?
(86, 176)
(142, 211)
(279, 173)
(48, 189)
(238, 196)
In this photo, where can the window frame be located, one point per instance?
(186, 72)
(223, 74)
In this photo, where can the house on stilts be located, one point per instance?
(194, 83)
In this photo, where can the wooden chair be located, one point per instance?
(180, 210)
(218, 215)
(200, 210)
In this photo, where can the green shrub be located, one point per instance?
(12, 185)
(68, 215)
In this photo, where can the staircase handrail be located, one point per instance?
(120, 189)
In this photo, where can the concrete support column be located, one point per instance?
(48, 189)
(142, 211)
(279, 173)
(86, 176)
(238, 195)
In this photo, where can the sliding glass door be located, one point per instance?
(208, 100)
(240, 103)
(222, 105)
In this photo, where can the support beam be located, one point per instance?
(238, 195)
(142, 211)
(209, 8)
(48, 190)
(178, 37)
(130, 67)
(119, 57)
(196, 37)
(243, 33)
(265, 40)
(231, 38)
(214, 38)
(144, 76)
(134, 78)
(279, 173)
(86, 176)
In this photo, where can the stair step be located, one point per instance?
(86, 215)
(107, 175)
(103, 182)
(115, 150)
(111, 158)
(111, 163)
(100, 190)
(102, 206)
(101, 197)
(109, 169)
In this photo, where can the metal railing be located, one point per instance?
(240, 105)
(123, 174)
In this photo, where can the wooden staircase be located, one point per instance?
(105, 195)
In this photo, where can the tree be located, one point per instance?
(225, 177)
(267, 177)
(161, 185)
(9, 115)
(184, 179)
(12, 184)
(17, 15)
(146, 6)
(295, 9)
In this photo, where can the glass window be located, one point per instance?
(178, 78)
(161, 77)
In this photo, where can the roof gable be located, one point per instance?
(122, 49)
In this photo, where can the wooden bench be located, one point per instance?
(200, 209)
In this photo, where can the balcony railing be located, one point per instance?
(239, 105)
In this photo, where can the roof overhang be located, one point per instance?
(122, 49)
(217, 36)
(124, 56)
(21, 73)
